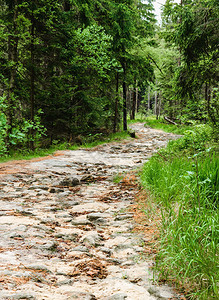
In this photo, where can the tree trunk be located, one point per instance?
(124, 98)
(207, 98)
(133, 104)
(12, 58)
(134, 100)
(130, 94)
(159, 109)
(211, 114)
(116, 103)
(32, 83)
(155, 106)
(170, 121)
(149, 102)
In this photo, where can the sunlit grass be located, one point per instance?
(165, 126)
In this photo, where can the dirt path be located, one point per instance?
(66, 230)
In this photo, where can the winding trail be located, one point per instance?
(66, 229)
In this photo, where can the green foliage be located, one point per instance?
(20, 135)
(188, 80)
(184, 180)
(138, 119)
(193, 139)
(62, 58)
(95, 45)
(88, 142)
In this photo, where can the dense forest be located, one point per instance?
(74, 70)
(71, 68)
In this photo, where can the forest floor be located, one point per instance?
(71, 229)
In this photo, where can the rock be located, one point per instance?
(135, 279)
(50, 246)
(80, 249)
(119, 296)
(64, 194)
(48, 220)
(87, 178)
(67, 237)
(19, 296)
(76, 255)
(123, 217)
(15, 235)
(162, 292)
(39, 279)
(61, 273)
(55, 260)
(38, 268)
(96, 217)
(91, 240)
(165, 295)
(130, 227)
(52, 190)
(115, 261)
(43, 187)
(25, 212)
(43, 228)
(23, 274)
(65, 282)
(123, 246)
(69, 181)
(138, 248)
(128, 263)
(64, 216)
(116, 147)
(81, 296)
(6, 273)
(100, 221)
(73, 203)
(80, 222)
(106, 250)
(33, 187)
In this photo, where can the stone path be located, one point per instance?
(66, 231)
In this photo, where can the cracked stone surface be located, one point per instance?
(66, 229)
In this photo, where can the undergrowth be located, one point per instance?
(88, 142)
(184, 180)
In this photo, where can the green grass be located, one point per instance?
(152, 122)
(163, 125)
(137, 120)
(184, 181)
(141, 118)
(91, 141)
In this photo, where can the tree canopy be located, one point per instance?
(71, 68)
